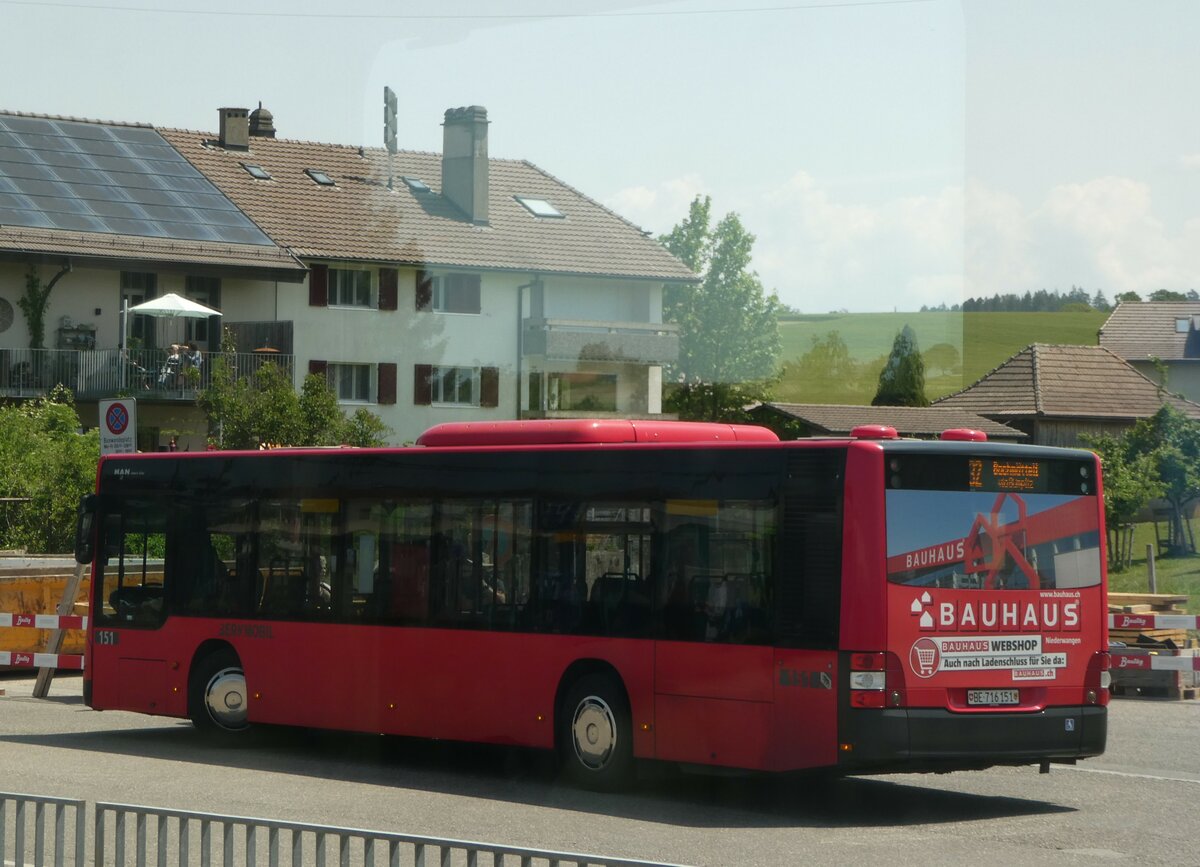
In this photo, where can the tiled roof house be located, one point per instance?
(919, 422)
(1164, 330)
(1055, 393)
(427, 287)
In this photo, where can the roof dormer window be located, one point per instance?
(319, 177)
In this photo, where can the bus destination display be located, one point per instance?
(998, 475)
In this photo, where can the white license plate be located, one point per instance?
(993, 696)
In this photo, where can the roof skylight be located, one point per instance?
(320, 177)
(416, 185)
(257, 172)
(539, 207)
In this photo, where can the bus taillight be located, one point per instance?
(876, 680)
(1099, 679)
(868, 680)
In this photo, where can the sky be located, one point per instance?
(886, 154)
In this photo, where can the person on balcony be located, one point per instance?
(192, 356)
(169, 376)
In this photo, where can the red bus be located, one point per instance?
(694, 593)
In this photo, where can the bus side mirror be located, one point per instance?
(85, 529)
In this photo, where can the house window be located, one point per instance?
(350, 382)
(582, 392)
(448, 293)
(207, 291)
(136, 288)
(349, 288)
(1182, 325)
(458, 385)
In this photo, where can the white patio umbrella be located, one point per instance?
(169, 306)
(172, 306)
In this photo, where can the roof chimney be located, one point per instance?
(262, 122)
(235, 128)
(465, 161)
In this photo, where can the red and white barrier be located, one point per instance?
(1153, 621)
(18, 659)
(44, 621)
(1159, 660)
(29, 659)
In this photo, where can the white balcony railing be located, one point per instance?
(591, 340)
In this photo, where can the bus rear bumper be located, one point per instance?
(931, 739)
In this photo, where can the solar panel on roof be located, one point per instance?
(97, 177)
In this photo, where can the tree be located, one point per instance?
(1172, 442)
(263, 409)
(728, 324)
(902, 380)
(34, 301)
(825, 374)
(1128, 296)
(942, 357)
(1167, 295)
(47, 465)
(1099, 302)
(1130, 483)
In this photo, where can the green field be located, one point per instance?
(982, 340)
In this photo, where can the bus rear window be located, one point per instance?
(1005, 527)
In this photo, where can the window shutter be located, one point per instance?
(387, 383)
(317, 367)
(318, 285)
(422, 385)
(424, 290)
(388, 288)
(489, 386)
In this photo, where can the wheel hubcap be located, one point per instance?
(594, 732)
(225, 698)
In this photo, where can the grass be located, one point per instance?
(983, 340)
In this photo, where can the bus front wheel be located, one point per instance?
(595, 739)
(218, 700)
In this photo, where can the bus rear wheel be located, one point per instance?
(595, 734)
(218, 701)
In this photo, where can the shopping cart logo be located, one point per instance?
(924, 657)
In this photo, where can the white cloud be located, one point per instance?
(823, 253)
(1190, 161)
(657, 208)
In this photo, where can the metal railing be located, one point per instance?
(26, 819)
(125, 835)
(93, 374)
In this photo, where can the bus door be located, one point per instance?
(127, 607)
(714, 677)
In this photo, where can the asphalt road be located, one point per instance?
(1137, 803)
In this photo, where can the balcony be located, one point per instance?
(95, 374)
(589, 340)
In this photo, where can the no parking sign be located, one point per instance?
(118, 426)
